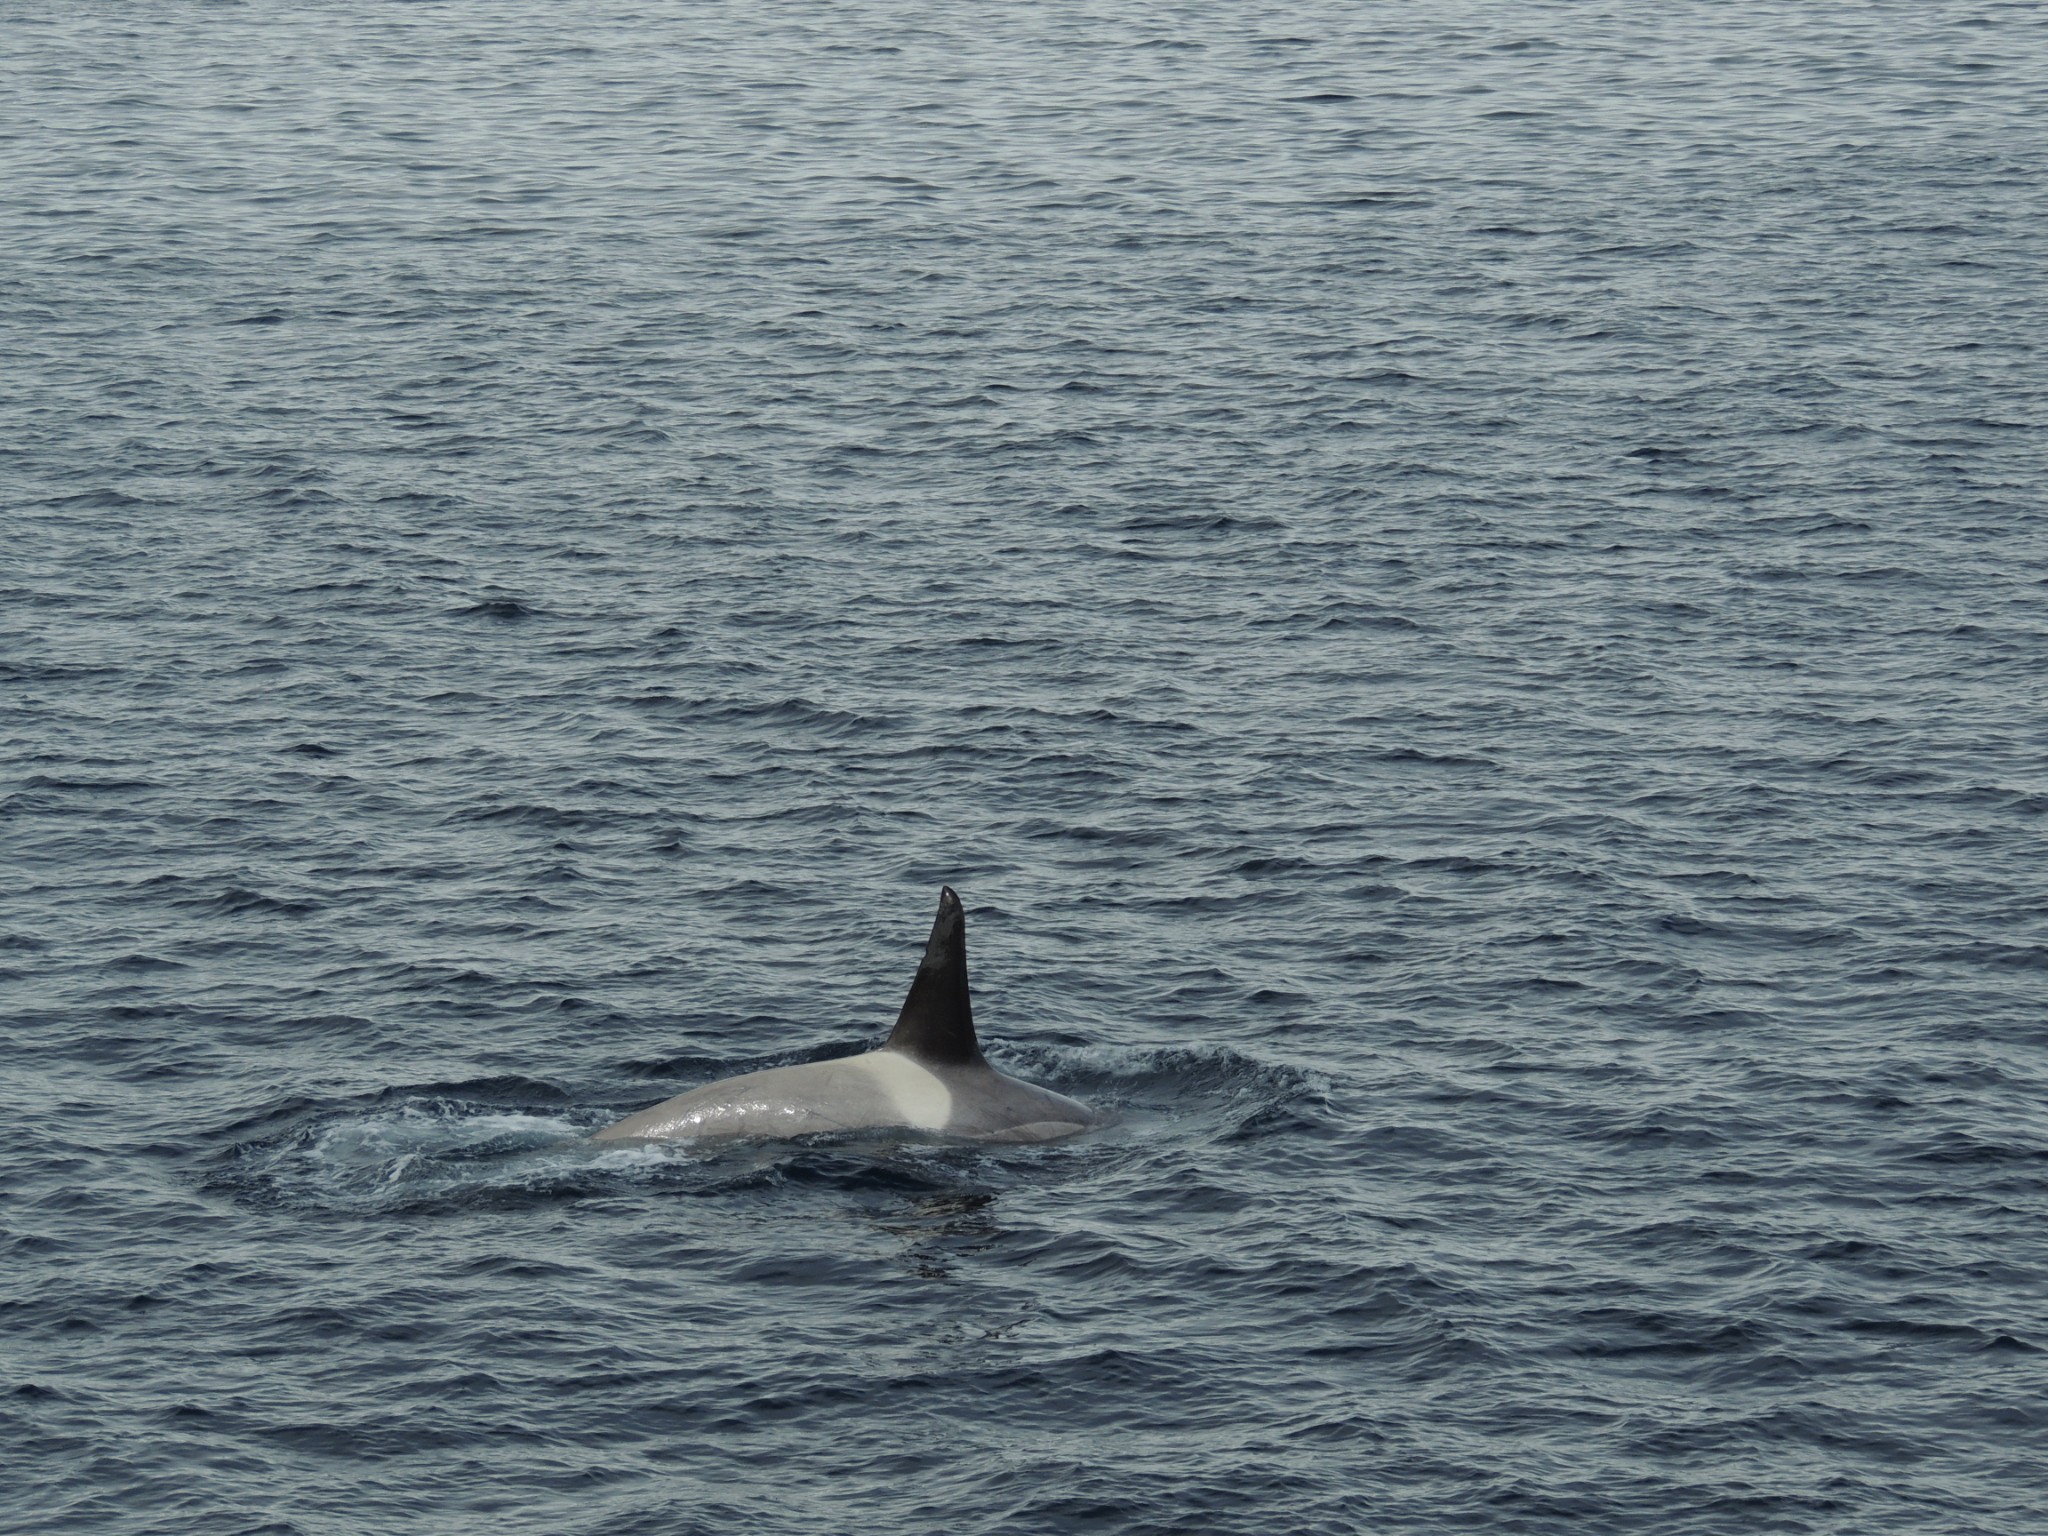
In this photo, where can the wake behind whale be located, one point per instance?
(929, 1075)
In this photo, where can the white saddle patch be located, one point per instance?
(918, 1094)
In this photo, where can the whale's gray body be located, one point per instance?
(929, 1076)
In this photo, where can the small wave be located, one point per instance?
(422, 1151)
(1202, 1093)
(140, 962)
(103, 786)
(535, 815)
(238, 901)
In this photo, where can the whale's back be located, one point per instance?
(881, 1090)
(929, 1076)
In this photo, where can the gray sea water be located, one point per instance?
(1462, 590)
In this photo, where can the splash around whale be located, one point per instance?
(929, 1075)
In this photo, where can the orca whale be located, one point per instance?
(929, 1075)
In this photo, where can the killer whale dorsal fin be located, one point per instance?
(937, 1021)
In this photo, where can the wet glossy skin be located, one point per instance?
(878, 1090)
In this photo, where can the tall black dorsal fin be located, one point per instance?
(937, 1021)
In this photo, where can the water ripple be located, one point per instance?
(1461, 593)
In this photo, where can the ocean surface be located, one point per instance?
(1461, 589)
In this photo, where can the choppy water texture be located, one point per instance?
(1460, 588)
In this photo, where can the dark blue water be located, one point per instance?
(1462, 590)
